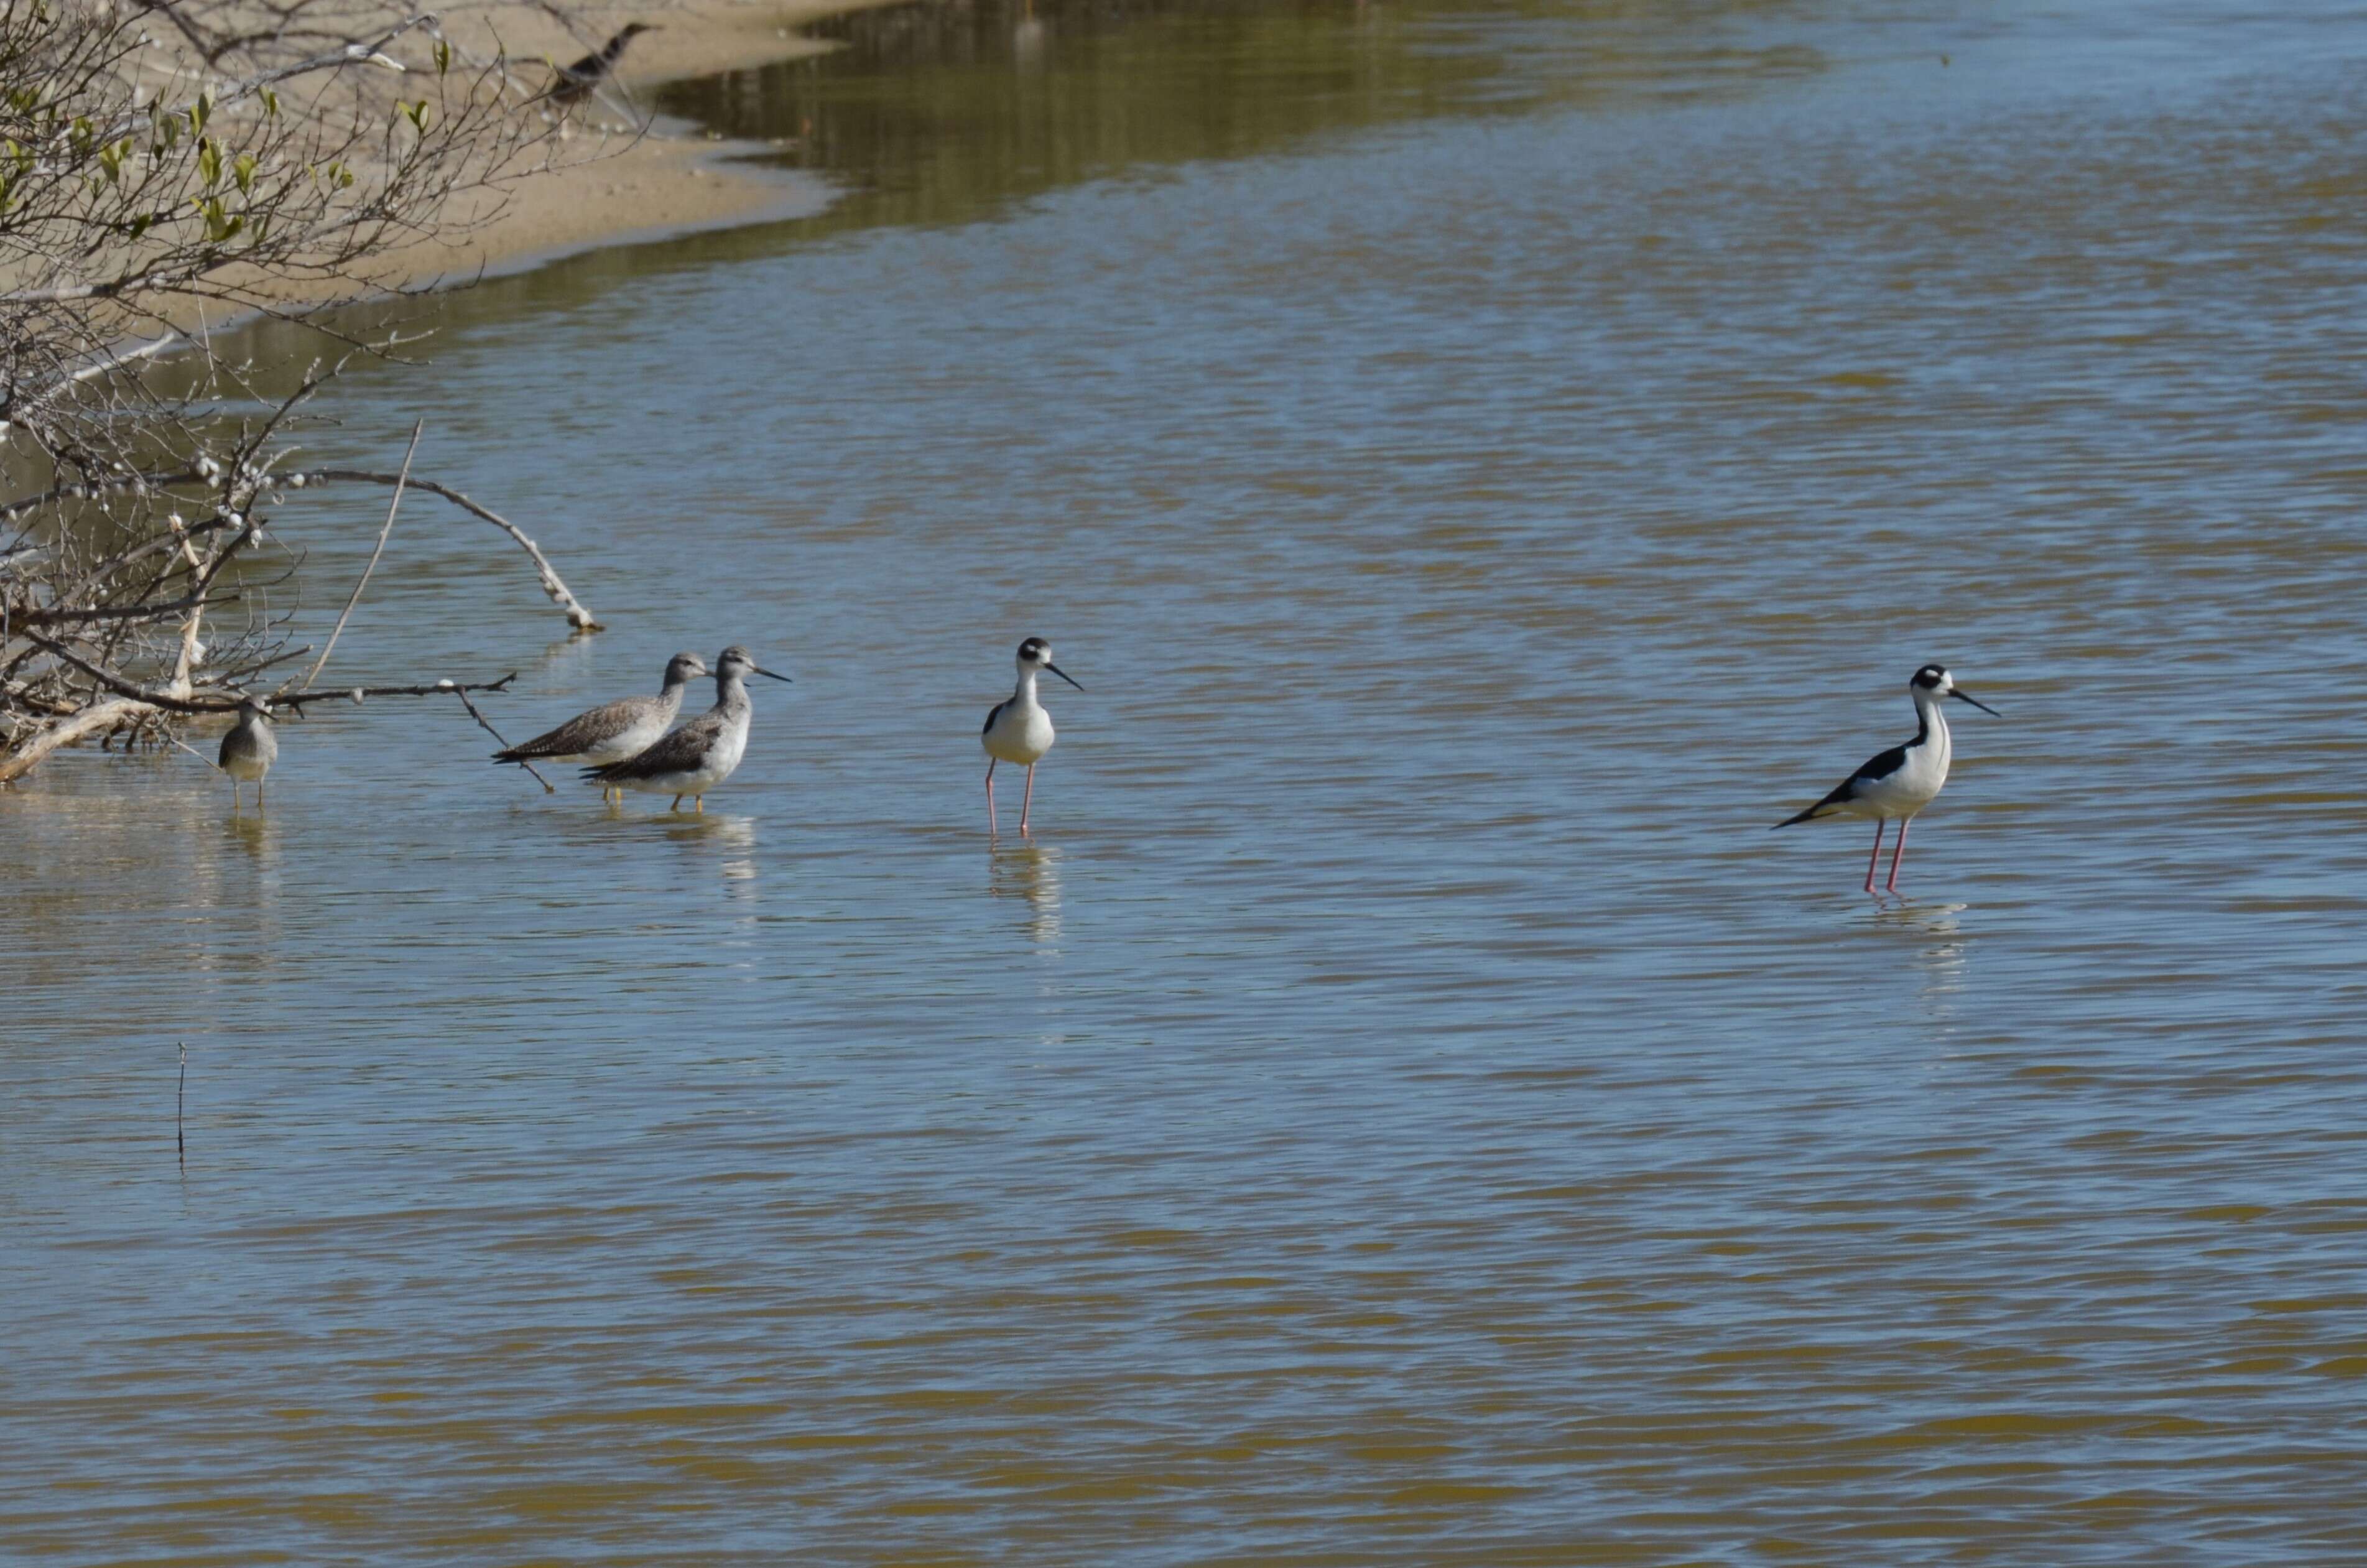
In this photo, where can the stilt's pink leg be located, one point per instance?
(1872, 859)
(1898, 855)
(989, 797)
(1027, 799)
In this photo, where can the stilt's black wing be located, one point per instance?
(1879, 767)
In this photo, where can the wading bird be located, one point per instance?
(699, 756)
(574, 83)
(1019, 731)
(249, 750)
(1900, 782)
(613, 731)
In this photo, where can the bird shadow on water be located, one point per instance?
(1029, 872)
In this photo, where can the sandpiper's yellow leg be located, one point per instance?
(698, 804)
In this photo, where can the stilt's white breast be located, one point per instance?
(1021, 732)
(1917, 783)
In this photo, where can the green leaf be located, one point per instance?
(200, 111)
(443, 56)
(415, 113)
(209, 162)
(270, 103)
(242, 171)
(220, 225)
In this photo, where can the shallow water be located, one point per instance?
(1404, 1107)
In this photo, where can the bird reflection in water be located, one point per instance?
(1027, 38)
(731, 838)
(1940, 949)
(1031, 872)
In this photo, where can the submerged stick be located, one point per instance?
(180, 1097)
(487, 726)
(392, 506)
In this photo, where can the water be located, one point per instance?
(1404, 1107)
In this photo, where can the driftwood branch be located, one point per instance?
(392, 506)
(96, 719)
(577, 615)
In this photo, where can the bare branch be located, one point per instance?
(392, 506)
(577, 615)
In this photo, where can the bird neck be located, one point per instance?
(1930, 722)
(1025, 692)
(615, 48)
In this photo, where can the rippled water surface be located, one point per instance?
(1486, 465)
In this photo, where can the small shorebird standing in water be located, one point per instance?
(249, 750)
(1900, 782)
(614, 731)
(1019, 731)
(699, 756)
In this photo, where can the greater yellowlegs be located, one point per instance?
(699, 756)
(614, 731)
(1900, 782)
(1019, 731)
(249, 750)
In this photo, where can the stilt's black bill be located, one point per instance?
(1960, 691)
(759, 669)
(1063, 674)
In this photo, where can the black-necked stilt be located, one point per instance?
(614, 731)
(1903, 780)
(699, 756)
(1019, 731)
(249, 750)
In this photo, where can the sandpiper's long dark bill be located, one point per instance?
(702, 754)
(1898, 783)
(1019, 730)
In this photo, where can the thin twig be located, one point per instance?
(138, 693)
(488, 728)
(180, 1098)
(392, 506)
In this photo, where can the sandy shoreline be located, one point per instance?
(613, 188)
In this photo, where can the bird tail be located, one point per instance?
(1823, 808)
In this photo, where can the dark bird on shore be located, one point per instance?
(576, 83)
